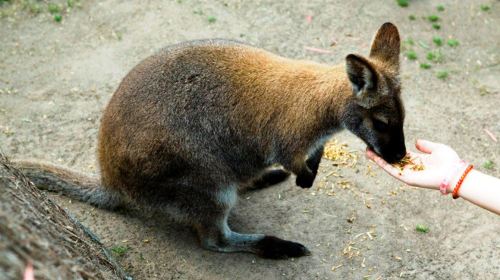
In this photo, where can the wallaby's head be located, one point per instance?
(376, 113)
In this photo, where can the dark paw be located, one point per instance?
(305, 181)
(271, 177)
(271, 247)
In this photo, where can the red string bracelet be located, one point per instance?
(459, 183)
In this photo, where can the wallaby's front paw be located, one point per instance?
(305, 180)
(271, 247)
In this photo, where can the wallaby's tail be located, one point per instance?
(73, 184)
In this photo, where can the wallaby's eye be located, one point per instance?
(380, 125)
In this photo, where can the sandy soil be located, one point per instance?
(55, 79)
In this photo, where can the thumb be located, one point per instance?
(426, 146)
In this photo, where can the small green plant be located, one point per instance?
(119, 251)
(423, 44)
(403, 3)
(485, 8)
(57, 18)
(53, 8)
(141, 257)
(489, 164)
(438, 41)
(425, 65)
(433, 18)
(211, 19)
(442, 75)
(411, 55)
(119, 35)
(412, 17)
(409, 42)
(34, 8)
(198, 12)
(435, 56)
(436, 26)
(422, 228)
(452, 42)
(440, 8)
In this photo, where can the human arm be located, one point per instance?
(441, 163)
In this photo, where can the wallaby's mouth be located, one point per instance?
(394, 159)
(389, 157)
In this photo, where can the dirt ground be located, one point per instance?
(56, 78)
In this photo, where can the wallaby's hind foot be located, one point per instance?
(220, 238)
(269, 178)
(271, 247)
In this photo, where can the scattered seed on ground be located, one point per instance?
(338, 153)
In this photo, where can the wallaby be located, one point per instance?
(191, 125)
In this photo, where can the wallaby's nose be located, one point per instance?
(399, 156)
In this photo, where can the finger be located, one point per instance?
(370, 154)
(426, 146)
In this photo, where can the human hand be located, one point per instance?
(440, 163)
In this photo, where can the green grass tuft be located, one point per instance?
(433, 18)
(412, 17)
(57, 17)
(485, 8)
(438, 41)
(119, 251)
(53, 8)
(425, 65)
(440, 8)
(435, 56)
(436, 26)
(442, 75)
(409, 42)
(403, 3)
(422, 228)
(211, 19)
(489, 164)
(411, 55)
(453, 42)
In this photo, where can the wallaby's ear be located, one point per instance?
(363, 78)
(386, 45)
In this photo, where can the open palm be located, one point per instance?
(439, 161)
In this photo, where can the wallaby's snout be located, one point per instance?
(395, 150)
